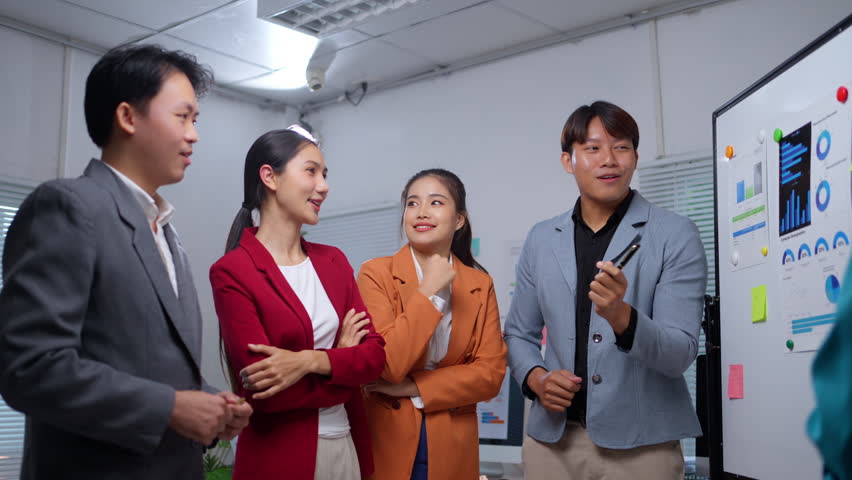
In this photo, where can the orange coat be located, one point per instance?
(472, 370)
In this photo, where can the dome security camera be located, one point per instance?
(315, 79)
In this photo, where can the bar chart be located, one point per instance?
(747, 191)
(795, 180)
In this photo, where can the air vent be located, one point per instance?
(325, 17)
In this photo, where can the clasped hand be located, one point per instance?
(278, 371)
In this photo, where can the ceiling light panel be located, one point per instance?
(326, 17)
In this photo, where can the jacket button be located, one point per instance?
(597, 338)
(596, 379)
(395, 404)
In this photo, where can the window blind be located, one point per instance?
(12, 194)
(684, 185)
(361, 234)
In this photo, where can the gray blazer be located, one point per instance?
(93, 340)
(642, 398)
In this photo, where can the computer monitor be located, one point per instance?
(500, 443)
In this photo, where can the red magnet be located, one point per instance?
(842, 94)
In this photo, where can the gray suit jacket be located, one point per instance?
(642, 398)
(93, 340)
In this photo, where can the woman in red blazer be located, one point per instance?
(293, 325)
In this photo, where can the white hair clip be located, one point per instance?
(303, 132)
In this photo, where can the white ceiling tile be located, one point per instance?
(237, 31)
(407, 16)
(154, 14)
(565, 15)
(468, 33)
(73, 22)
(226, 69)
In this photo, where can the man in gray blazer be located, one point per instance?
(609, 397)
(100, 327)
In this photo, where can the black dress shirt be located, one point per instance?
(590, 248)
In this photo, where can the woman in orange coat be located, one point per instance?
(436, 309)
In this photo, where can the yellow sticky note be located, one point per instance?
(758, 304)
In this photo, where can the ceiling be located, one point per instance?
(428, 37)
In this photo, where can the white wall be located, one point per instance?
(709, 57)
(497, 126)
(43, 136)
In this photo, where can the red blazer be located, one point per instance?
(256, 305)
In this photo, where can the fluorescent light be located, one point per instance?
(326, 17)
(288, 49)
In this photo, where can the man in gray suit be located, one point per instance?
(100, 327)
(609, 397)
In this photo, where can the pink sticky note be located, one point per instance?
(735, 381)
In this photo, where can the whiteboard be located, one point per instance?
(799, 189)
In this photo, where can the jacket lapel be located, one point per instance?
(466, 302)
(562, 243)
(405, 275)
(143, 243)
(633, 222)
(190, 327)
(264, 263)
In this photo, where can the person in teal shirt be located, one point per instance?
(830, 424)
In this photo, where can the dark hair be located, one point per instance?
(615, 120)
(134, 75)
(462, 237)
(275, 149)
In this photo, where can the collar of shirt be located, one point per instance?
(156, 208)
(614, 219)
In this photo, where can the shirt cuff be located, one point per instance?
(624, 342)
(525, 388)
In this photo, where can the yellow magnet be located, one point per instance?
(764, 251)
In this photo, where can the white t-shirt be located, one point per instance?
(440, 341)
(333, 421)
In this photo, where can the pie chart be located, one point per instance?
(823, 195)
(832, 288)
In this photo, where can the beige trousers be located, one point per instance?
(575, 457)
(337, 459)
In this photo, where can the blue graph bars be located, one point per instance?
(791, 155)
(794, 191)
(806, 325)
(740, 191)
(796, 216)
